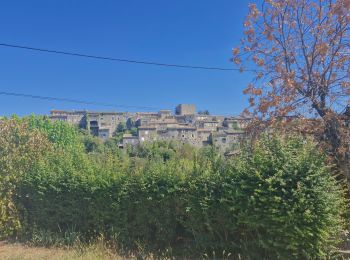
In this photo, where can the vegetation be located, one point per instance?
(235, 126)
(300, 49)
(204, 112)
(276, 200)
(19, 150)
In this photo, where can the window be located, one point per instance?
(223, 140)
(183, 135)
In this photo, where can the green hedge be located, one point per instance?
(279, 201)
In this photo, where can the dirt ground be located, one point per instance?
(15, 251)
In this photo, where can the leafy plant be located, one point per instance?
(20, 148)
(277, 199)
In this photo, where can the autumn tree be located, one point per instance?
(300, 54)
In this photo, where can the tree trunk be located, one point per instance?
(334, 133)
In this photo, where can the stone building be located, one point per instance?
(147, 133)
(238, 122)
(227, 140)
(185, 109)
(204, 137)
(129, 139)
(72, 117)
(185, 126)
(101, 124)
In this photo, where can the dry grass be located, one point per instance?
(16, 251)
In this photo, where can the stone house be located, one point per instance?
(185, 109)
(147, 133)
(72, 117)
(227, 140)
(203, 136)
(129, 139)
(185, 126)
(104, 133)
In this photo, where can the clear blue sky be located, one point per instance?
(182, 31)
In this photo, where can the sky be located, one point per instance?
(187, 32)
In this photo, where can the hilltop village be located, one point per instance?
(184, 126)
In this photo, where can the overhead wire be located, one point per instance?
(121, 59)
(4, 93)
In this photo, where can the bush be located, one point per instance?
(277, 200)
(92, 144)
(19, 151)
(286, 202)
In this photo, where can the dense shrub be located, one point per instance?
(287, 203)
(19, 151)
(60, 194)
(277, 200)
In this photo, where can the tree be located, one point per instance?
(204, 112)
(301, 50)
(121, 128)
(133, 131)
(92, 143)
(130, 123)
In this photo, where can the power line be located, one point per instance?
(74, 101)
(120, 59)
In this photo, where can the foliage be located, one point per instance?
(130, 123)
(112, 144)
(133, 131)
(288, 202)
(162, 150)
(125, 128)
(204, 112)
(92, 143)
(235, 126)
(19, 151)
(121, 128)
(275, 201)
(48, 239)
(59, 133)
(301, 51)
(298, 46)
